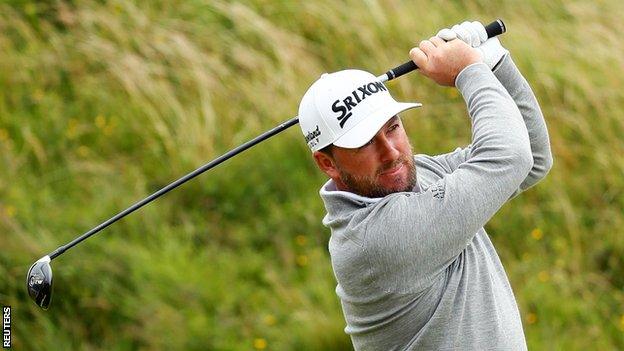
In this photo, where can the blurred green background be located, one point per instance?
(104, 102)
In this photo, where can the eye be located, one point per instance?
(393, 127)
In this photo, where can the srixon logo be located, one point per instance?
(344, 106)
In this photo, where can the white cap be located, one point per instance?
(346, 108)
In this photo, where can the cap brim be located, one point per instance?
(364, 131)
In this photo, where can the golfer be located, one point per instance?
(414, 266)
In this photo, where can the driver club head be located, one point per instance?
(39, 282)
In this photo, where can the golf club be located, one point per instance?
(39, 277)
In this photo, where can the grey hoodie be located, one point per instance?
(416, 270)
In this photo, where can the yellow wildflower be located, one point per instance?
(543, 276)
(10, 211)
(452, 93)
(537, 234)
(270, 319)
(100, 121)
(302, 260)
(259, 344)
(37, 95)
(108, 130)
(72, 128)
(531, 318)
(83, 151)
(301, 240)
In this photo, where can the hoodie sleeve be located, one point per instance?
(517, 86)
(420, 234)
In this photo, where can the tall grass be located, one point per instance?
(103, 102)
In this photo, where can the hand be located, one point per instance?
(474, 34)
(442, 61)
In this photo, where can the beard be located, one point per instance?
(368, 186)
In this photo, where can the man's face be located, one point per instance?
(383, 166)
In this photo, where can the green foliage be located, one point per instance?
(104, 102)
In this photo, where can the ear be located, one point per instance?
(326, 164)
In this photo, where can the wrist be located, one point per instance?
(467, 72)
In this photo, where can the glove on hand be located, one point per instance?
(474, 34)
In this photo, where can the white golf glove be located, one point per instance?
(474, 34)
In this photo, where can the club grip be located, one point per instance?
(493, 29)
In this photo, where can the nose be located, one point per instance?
(388, 151)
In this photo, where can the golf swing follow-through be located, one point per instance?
(394, 265)
(39, 277)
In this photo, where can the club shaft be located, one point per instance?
(283, 126)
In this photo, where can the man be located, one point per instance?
(414, 266)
